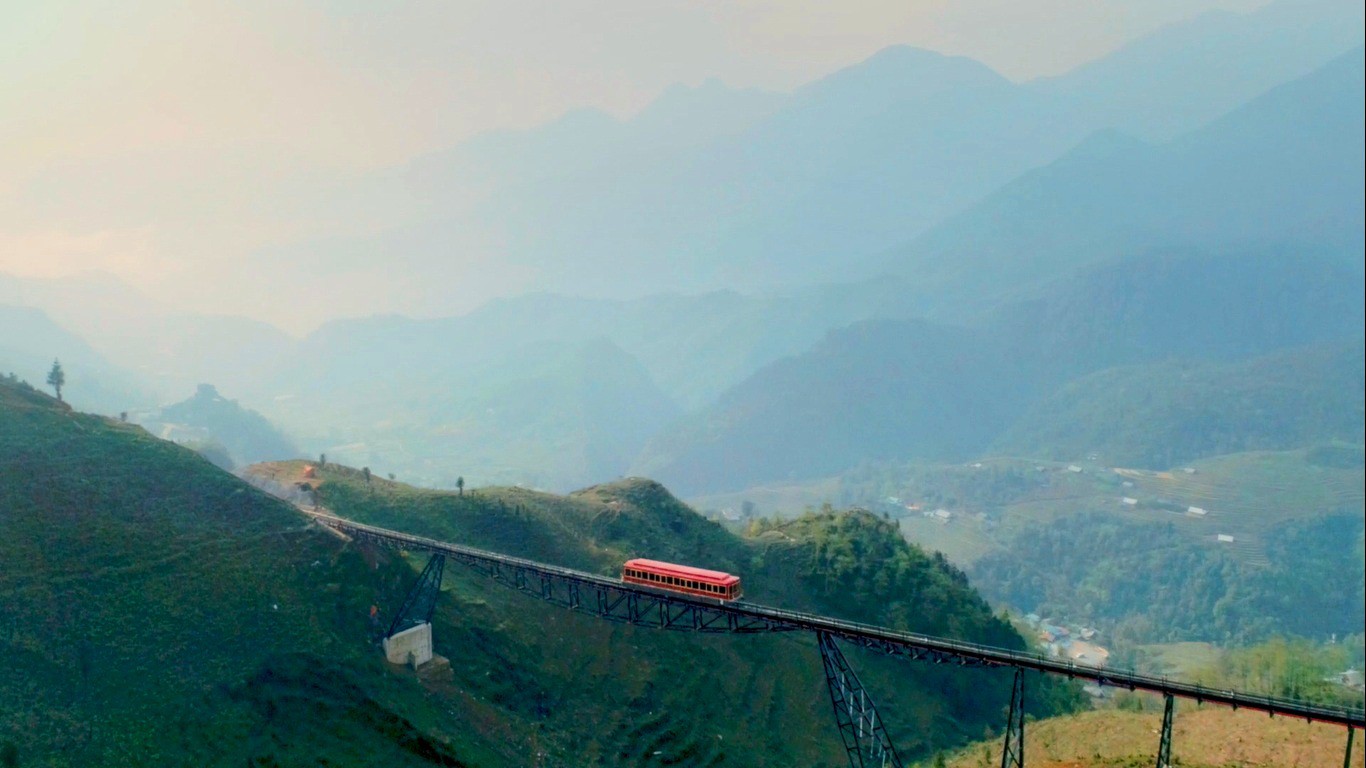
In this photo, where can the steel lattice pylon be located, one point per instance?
(420, 603)
(1012, 754)
(865, 739)
(1164, 748)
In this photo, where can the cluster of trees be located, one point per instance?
(1290, 668)
(1149, 582)
(952, 486)
(862, 562)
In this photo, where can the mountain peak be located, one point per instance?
(895, 67)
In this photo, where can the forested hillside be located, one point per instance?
(1151, 582)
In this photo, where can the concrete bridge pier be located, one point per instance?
(412, 646)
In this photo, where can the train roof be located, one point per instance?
(683, 571)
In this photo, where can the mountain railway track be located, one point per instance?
(619, 601)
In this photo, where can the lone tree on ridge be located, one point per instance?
(56, 378)
(460, 484)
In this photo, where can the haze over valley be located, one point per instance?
(902, 321)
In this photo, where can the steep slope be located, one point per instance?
(159, 611)
(1285, 170)
(910, 389)
(1163, 414)
(617, 695)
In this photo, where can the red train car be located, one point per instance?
(682, 578)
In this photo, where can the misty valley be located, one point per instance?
(909, 414)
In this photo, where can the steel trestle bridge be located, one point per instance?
(860, 726)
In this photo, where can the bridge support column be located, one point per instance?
(412, 646)
(1347, 759)
(411, 629)
(1164, 747)
(865, 739)
(1012, 753)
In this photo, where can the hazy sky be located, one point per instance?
(167, 141)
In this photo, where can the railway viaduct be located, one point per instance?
(861, 730)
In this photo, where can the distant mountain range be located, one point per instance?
(1284, 170)
(916, 250)
(717, 188)
(911, 389)
(1184, 75)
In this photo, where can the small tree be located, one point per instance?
(366, 472)
(460, 485)
(56, 378)
(322, 461)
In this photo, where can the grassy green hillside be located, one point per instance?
(619, 695)
(158, 611)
